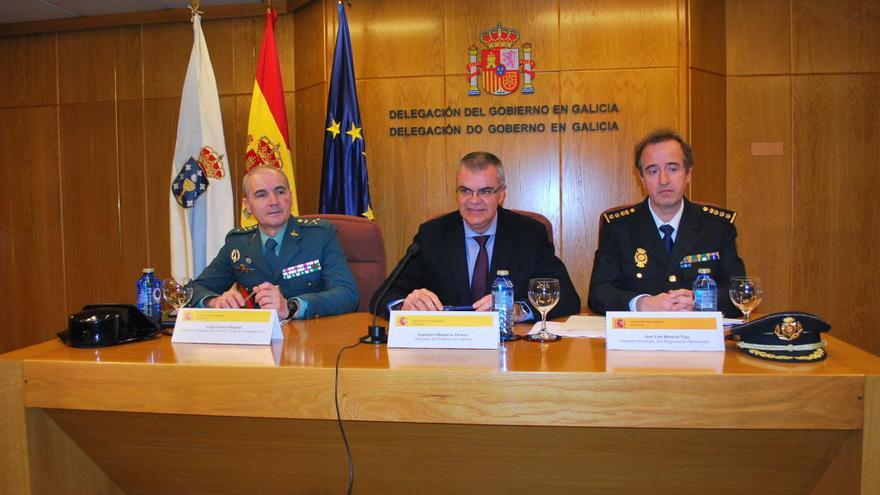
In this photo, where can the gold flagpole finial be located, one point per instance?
(195, 4)
(268, 5)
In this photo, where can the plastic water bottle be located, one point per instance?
(149, 292)
(502, 301)
(705, 291)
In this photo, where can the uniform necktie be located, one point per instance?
(479, 279)
(271, 257)
(667, 236)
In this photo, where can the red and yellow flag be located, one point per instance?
(268, 142)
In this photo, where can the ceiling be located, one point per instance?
(12, 11)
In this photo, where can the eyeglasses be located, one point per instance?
(482, 193)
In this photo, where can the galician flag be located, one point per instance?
(267, 141)
(344, 186)
(201, 205)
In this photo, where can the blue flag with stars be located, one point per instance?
(344, 185)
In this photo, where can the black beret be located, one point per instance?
(792, 337)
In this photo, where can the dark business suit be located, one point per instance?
(703, 230)
(311, 266)
(521, 246)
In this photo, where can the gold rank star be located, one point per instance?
(334, 128)
(368, 213)
(354, 132)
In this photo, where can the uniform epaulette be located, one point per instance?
(620, 212)
(243, 230)
(311, 222)
(718, 212)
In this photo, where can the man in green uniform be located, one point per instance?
(292, 265)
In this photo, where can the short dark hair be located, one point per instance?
(660, 136)
(481, 160)
(254, 170)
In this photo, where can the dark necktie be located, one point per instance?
(667, 237)
(480, 277)
(271, 257)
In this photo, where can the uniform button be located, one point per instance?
(639, 275)
(672, 278)
(309, 284)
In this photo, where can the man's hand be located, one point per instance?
(231, 299)
(674, 300)
(484, 303)
(268, 296)
(422, 300)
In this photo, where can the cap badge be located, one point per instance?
(789, 329)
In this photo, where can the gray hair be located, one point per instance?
(244, 180)
(481, 160)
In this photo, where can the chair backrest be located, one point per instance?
(362, 243)
(531, 214)
(541, 218)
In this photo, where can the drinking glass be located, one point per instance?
(746, 294)
(177, 293)
(544, 295)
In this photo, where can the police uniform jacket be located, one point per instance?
(521, 246)
(311, 266)
(632, 260)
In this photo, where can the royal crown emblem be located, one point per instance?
(192, 180)
(262, 152)
(211, 162)
(500, 63)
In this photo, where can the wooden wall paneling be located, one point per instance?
(238, 143)
(758, 36)
(160, 131)
(166, 51)
(311, 111)
(706, 33)
(90, 195)
(220, 39)
(36, 271)
(597, 167)
(411, 178)
(7, 206)
(609, 34)
(394, 37)
(86, 66)
(537, 23)
(531, 160)
(234, 147)
(836, 148)
(134, 216)
(842, 38)
(248, 34)
(309, 38)
(708, 111)
(30, 71)
(759, 187)
(129, 68)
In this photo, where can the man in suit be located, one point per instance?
(649, 253)
(292, 265)
(461, 251)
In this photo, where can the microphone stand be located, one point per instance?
(376, 334)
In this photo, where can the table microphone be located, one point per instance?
(376, 333)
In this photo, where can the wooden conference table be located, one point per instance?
(567, 417)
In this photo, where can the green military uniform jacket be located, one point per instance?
(311, 266)
(632, 260)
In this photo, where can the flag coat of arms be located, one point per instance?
(201, 205)
(267, 140)
(345, 188)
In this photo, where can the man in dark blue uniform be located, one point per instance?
(649, 253)
(292, 265)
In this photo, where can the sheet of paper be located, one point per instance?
(577, 326)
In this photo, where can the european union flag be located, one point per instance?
(344, 185)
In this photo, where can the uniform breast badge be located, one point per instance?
(235, 255)
(242, 268)
(641, 257)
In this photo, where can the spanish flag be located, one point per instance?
(267, 141)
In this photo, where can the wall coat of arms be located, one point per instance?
(500, 66)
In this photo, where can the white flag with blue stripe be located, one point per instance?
(201, 203)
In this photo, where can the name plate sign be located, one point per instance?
(443, 329)
(664, 331)
(226, 326)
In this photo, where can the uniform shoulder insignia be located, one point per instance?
(717, 212)
(619, 212)
(242, 230)
(312, 222)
